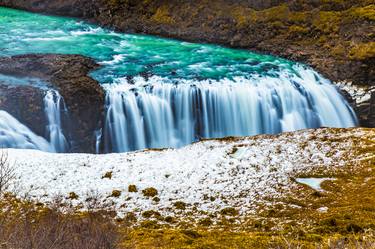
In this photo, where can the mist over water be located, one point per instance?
(167, 93)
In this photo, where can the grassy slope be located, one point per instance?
(292, 220)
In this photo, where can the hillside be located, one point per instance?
(308, 185)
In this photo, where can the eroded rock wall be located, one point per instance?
(83, 96)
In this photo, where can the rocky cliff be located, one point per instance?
(83, 96)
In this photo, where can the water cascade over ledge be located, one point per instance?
(160, 113)
(52, 107)
(14, 134)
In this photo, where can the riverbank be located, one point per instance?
(312, 188)
(200, 180)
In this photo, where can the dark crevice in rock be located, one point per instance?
(83, 96)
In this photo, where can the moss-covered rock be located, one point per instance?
(150, 192)
(132, 188)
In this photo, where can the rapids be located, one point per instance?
(168, 93)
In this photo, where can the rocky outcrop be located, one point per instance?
(25, 103)
(362, 99)
(83, 96)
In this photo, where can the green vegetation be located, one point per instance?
(363, 51)
(180, 205)
(367, 12)
(107, 175)
(150, 192)
(116, 193)
(162, 16)
(132, 189)
(73, 196)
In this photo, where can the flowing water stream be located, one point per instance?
(52, 107)
(167, 93)
(14, 134)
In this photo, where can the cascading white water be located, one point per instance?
(52, 108)
(13, 134)
(160, 112)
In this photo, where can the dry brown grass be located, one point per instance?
(7, 172)
(26, 225)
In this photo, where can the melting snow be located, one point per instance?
(239, 172)
(313, 183)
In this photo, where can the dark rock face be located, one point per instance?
(25, 103)
(366, 112)
(83, 96)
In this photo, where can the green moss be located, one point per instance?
(327, 22)
(151, 213)
(130, 218)
(363, 51)
(339, 50)
(298, 29)
(150, 192)
(132, 188)
(107, 175)
(277, 13)
(230, 211)
(191, 233)
(367, 12)
(205, 222)
(242, 16)
(162, 15)
(180, 205)
(116, 193)
(169, 219)
(150, 224)
(73, 196)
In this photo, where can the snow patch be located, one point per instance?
(207, 176)
(314, 183)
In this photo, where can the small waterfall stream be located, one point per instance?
(14, 134)
(52, 107)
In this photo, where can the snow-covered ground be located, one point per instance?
(360, 94)
(208, 175)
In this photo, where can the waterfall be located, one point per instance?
(98, 137)
(52, 107)
(161, 112)
(13, 134)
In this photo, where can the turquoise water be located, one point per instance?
(123, 54)
(167, 93)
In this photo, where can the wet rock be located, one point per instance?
(362, 99)
(83, 96)
(25, 103)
